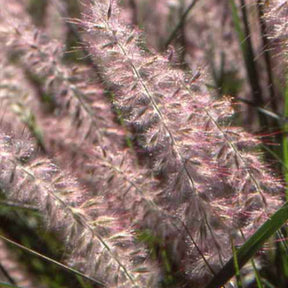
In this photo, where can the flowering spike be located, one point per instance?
(211, 175)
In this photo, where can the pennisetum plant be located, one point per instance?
(96, 239)
(276, 16)
(192, 181)
(212, 174)
(59, 79)
(124, 185)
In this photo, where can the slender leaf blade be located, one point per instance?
(251, 246)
